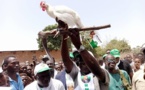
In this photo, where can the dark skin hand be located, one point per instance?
(89, 60)
(65, 54)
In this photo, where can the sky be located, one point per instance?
(21, 20)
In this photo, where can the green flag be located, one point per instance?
(93, 44)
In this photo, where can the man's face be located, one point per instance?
(129, 58)
(25, 80)
(142, 57)
(58, 67)
(137, 63)
(110, 62)
(29, 69)
(50, 63)
(84, 68)
(24, 69)
(13, 65)
(3, 80)
(43, 78)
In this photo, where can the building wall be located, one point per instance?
(27, 55)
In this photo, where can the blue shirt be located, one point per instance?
(16, 85)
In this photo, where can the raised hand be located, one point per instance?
(75, 38)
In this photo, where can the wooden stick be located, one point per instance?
(53, 32)
(86, 29)
(92, 28)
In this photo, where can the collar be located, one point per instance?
(10, 79)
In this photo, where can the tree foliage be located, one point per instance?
(52, 43)
(55, 43)
(121, 45)
(136, 49)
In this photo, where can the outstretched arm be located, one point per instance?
(65, 55)
(44, 34)
(89, 60)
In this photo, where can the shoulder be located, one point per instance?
(56, 82)
(31, 86)
(139, 72)
(107, 78)
(123, 71)
(103, 85)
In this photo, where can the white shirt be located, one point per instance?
(53, 85)
(5, 88)
(55, 73)
(69, 80)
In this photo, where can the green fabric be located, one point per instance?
(71, 55)
(116, 82)
(94, 44)
(115, 52)
(75, 54)
(44, 69)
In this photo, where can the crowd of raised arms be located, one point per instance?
(76, 70)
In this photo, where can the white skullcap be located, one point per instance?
(41, 67)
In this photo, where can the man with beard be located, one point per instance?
(119, 79)
(43, 79)
(11, 67)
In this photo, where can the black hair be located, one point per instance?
(45, 59)
(6, 60)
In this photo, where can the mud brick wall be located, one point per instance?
(27, 55)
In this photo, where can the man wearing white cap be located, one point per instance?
(44, 80)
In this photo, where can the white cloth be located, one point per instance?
(116, 67)
(142, 66)
(81, 84)
(5, 88)
(1, 70)
(55, 73)
(53, 85)
(97, 84)
(103, 66)
(138, 82)
(69, 80)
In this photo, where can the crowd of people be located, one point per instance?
(78, 70)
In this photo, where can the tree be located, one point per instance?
(136, 49)
(121, 45)
(52, 43)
